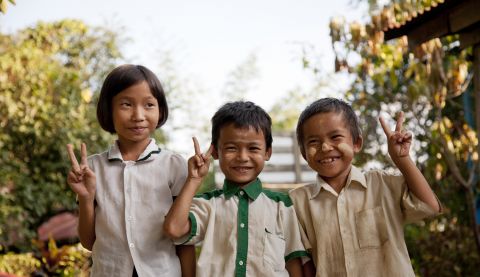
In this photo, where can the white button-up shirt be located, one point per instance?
(359, 231)
(132, 199)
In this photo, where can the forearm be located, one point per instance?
(186, 254)
(294, 267)
(86, 223)
(309, 269)
(176, 223)
(416, 182)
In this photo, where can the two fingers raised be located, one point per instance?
(77, 168)
(398, 125)
(199, 157)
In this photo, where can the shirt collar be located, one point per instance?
(252, 189)
(114, 153)
(355, 176)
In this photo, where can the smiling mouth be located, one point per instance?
(137, 130)
(242, 169)
(328, 160)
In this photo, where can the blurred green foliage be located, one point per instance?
(49, 76)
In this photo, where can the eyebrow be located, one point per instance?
(333, 132)
(250, 142)
(151, 97)
(336, 131)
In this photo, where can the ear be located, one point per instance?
(357, 145)
(268, 154)
(214, 152)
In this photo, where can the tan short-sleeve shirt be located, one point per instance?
(359, 232)
(244, 231)
(132, 199)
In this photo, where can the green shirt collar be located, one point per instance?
(253, 189)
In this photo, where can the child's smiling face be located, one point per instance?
(242, 153)
(329, 147)
(135, 114)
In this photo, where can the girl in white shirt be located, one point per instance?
(124, 193)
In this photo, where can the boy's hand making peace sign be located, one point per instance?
(399, 140)
(80, 177)
(199, 163)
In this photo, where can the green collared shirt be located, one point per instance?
(246, 231)
(253, 189)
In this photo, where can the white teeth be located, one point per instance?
(329, 160)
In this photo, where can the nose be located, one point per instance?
(242, 155)
(326, 147)
(138, 114)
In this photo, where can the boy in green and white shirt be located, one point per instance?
(246, 231)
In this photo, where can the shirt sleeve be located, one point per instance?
(300, 202)
(178, 173)
(200, 214)
(294, 247)
(412, 208)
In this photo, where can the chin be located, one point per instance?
(242, 181)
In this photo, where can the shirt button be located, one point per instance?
(242, 225)
(130, 218)
(131, 245)
(240, 262)
(241, 192)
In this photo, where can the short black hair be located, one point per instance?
(121, 78)
(326, 105)
(242, 114)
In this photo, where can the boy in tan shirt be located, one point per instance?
(353, 221)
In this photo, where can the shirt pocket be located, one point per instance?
(371, 228)
(274, 249)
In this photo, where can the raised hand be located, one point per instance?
(399, 141)
(80, 177)
(199, 163)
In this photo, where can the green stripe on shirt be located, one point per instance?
(242, 235)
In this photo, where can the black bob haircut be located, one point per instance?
(242, 114)
(326, 105)
(121, 78)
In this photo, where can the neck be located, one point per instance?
(131, 151)
(338, 182)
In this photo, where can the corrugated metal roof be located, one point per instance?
(413, 18)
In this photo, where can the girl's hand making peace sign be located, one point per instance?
(399, 141)
(80, 177)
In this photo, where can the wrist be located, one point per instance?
(195, 181)
(86, 200)
(402, 161)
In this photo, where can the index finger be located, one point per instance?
(385, 128)
(72, 157)
(84, 154)
(196, 146)
(398, 127)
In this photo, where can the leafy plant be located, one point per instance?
(49, 74)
